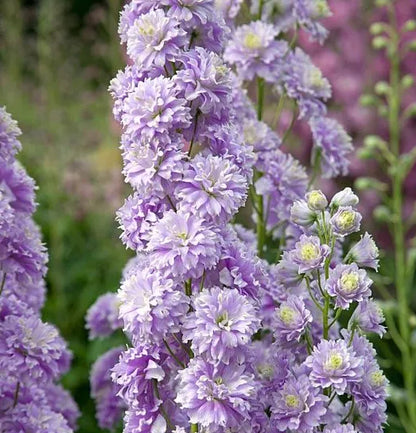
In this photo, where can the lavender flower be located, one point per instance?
(309, 254)
(333, 363)
(154, 109)
(340, 428)
(215, 395)
(151, 306)
(255, 51)
(304, 82)
(348, 283)
(213, 186)
(307, 12)
(298, 405)
(102, 317)
(137, 217)
(184, 244)
(9, 133)
(151, 165)
(229, 8)
(371, 392)
(368, 316)
(365, 252)
(154, 39)
(221, 325)
(134, 373)
(333, 144)
(33, 356)
(291, 320)
(191, 13)
(345, 221)
(32, 349)
(104, 390)
(204, 81)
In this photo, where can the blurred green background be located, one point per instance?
(56, 60)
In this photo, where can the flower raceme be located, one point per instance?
(221, 339)
(33, 356)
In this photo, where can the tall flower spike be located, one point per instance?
(33, 356)
(221, 339)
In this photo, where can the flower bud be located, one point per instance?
(316, 200)
(301, 214)
(344, 198)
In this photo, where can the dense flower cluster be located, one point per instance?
(33, 355)
(221, 339)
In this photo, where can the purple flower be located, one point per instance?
(304, 82)
(215, 395)
(348, 283)
(184, 245)
(33, 417)
(371, 392)
(144, 421)
(297, 406)
(104, 391)
(151, 306)
(137, 217)
(154, 39)
(284, 181)
(9, 133)
(204, 81)
(260, 136)
(333, 145)
(239, 267)
(16, 187)
(229, 8)
(102, 317)
(31, 349)
(190, 12)
(340, 428)
(291, 320)
(365, 252)
(307, 12)
(345, 221)
(134, 374)
(221, 325)
(131, 12)
(333, 363)
(255, 51)
(368, 316)
(286, 272)
(150, 166)
(213, 187)
(60, 401)
(309, 254)
(154, 109)
(271, 366)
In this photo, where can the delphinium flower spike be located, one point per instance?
(33, 356)
(221, 339)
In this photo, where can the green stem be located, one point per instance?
(178, 361)
(194, 428)
(188, 287)
(394, 101)
(161, 408)
(16, 394)
(261, 226)
(3, 281)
